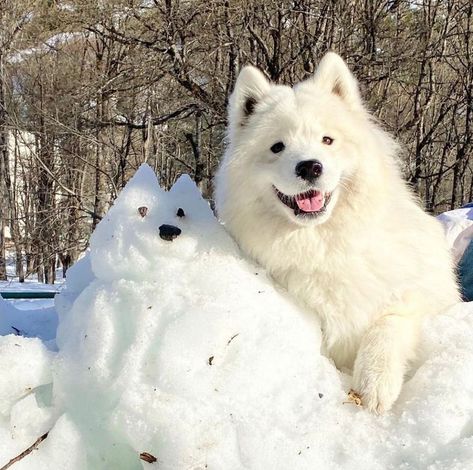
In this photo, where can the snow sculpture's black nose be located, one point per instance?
(309, 170)
(169, 232)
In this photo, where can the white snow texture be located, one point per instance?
(185, 350)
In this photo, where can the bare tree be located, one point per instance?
(91, 91)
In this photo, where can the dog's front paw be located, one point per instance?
(377, 385)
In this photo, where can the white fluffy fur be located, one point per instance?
(370, 267)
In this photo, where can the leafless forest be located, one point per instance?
(91, 89)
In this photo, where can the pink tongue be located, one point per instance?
(311, 204)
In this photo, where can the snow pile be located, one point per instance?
(26, 411)
(25, 393)
(176, 346)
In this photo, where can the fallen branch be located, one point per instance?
(25, 452)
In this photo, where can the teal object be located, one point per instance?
(29, 295)
(465, 273)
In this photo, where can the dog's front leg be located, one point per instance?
(382, 359)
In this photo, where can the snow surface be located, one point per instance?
(40, 322)
(185, 350)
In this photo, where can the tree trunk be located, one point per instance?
(3, 170)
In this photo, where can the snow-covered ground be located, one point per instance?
(180, 348)
(23, 320)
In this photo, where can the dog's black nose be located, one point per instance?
(309, 169)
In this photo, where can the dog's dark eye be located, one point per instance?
(278, 147)
(327, 140)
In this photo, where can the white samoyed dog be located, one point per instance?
(310, 188)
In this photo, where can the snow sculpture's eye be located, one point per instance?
(278, 147)
(327, 140)
(143, 211)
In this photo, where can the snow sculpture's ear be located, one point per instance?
(333, 75)
(250, 87)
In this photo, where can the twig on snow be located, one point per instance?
(25, 452)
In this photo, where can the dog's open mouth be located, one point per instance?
(308, 204)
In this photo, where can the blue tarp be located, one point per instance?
(465, 273)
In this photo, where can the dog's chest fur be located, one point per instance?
(347, 277)
(333, 280)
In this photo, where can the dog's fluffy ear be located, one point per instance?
(333, 75)
(250, 87)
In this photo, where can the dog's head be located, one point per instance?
(295, 149)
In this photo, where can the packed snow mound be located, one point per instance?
(25, 393)
(171, 343)
(16, 380)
